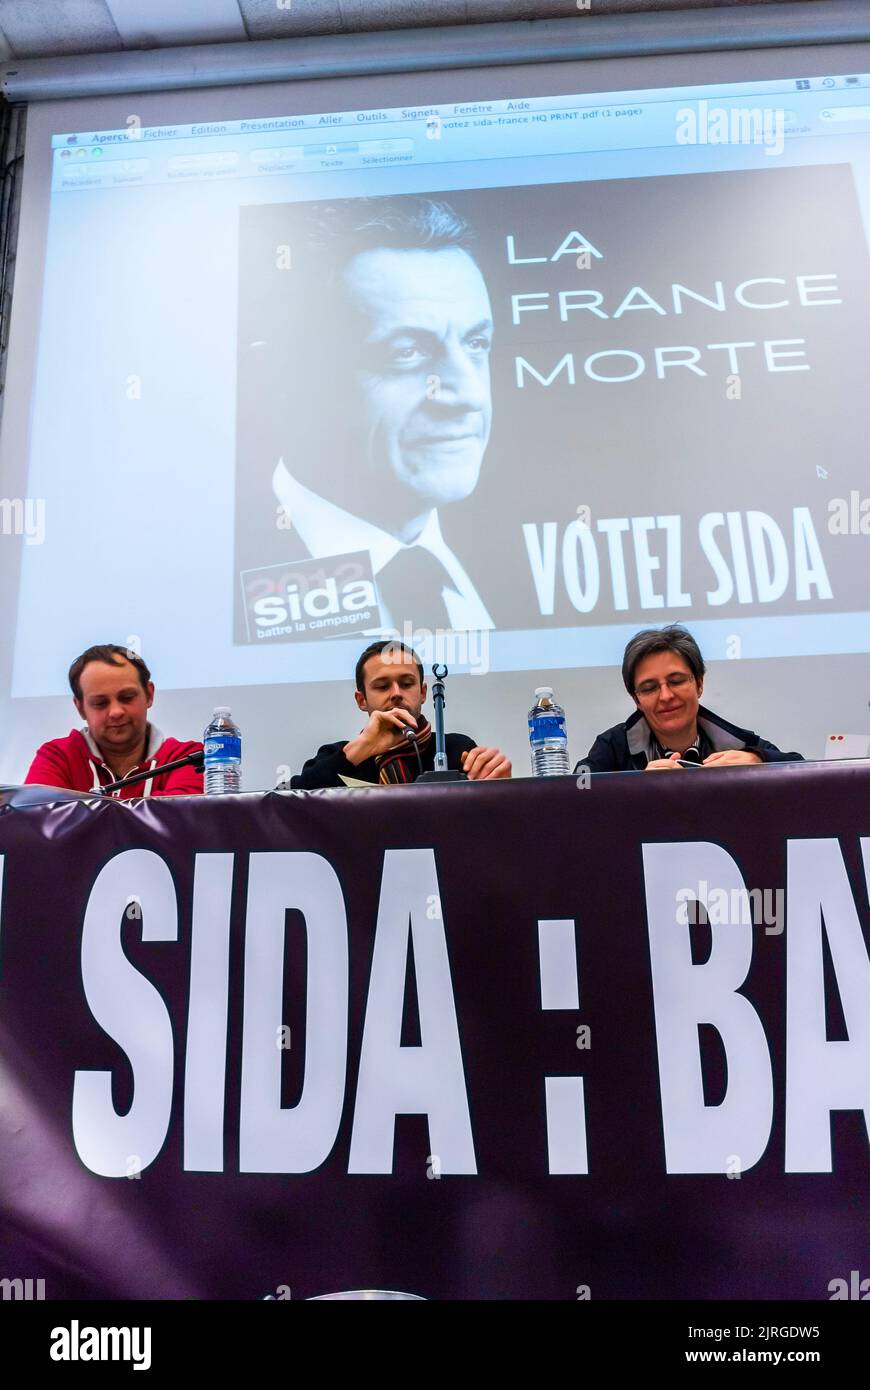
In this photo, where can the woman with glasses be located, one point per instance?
(663, 671)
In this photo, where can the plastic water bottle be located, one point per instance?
(222, 743)
(547, 736)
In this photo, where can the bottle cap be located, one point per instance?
(544, 690)
(221, 709)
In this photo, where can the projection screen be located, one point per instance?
(508, 363)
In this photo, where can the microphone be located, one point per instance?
(411, 736)
(409, 731)
(195, 760)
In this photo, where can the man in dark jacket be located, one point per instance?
(663, 671)
(391, 690)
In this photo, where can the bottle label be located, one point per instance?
(223, 747)
(546, 726)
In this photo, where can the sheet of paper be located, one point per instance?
(847, 746)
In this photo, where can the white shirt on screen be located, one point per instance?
(326, 529)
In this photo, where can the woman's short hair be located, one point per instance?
(673, 638)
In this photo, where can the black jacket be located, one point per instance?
(329, 764)
(624, 747)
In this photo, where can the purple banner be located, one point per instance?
(544, 1039)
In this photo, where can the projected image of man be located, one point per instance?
(396, 362)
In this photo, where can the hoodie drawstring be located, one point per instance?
(150, 782)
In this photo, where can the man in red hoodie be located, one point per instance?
(113, 692)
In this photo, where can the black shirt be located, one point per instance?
(625, 746)
(329, 764)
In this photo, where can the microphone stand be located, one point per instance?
(442, 772)
(192, 760)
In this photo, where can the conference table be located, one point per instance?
(604, 1037)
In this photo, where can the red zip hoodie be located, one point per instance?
(75, 762)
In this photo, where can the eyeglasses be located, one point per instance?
(675, 681)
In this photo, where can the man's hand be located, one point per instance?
(732, 757)
(383, 731)
(482, 764)
(670, 764)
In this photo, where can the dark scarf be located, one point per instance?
(400, 764)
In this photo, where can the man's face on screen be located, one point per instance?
(420, 370)
(115, 707)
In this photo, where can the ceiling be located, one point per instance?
(51, 28)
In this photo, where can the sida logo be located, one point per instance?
(313, 603)
(310, 598)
